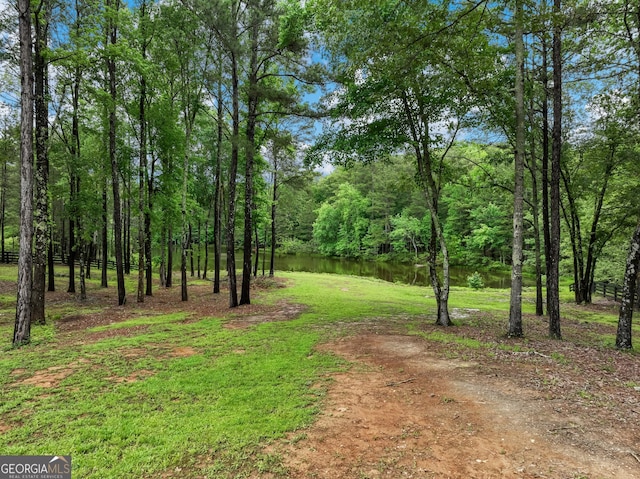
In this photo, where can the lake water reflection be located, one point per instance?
(393, 272)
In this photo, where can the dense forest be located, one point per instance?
(147, 134)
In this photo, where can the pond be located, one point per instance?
(390, 271)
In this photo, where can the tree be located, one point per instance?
(143, 190)
(515, 307)
(405, 81)
(553, 274)
(113, 7)
(623, 335)
(41, 216)
(342, 224)
(22, 328)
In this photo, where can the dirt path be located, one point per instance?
(402, 412)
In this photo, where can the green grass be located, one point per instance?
(128, 406)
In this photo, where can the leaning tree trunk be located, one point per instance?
(623, 336)
(515, 305)
(22, 328)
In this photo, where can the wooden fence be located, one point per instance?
(609, 290)
(12, 257)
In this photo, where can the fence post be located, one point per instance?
(604, 289)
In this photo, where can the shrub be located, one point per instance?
(475, 281)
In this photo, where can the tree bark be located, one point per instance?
(217, 209)
(546, 221)
(252, 118)
(104, 239)
(233, 171)
(115, 173)
(169, 269)
(535, 212)
(515, 305)
(147, 230)
(624, 333)
(22, 328)
(127, 226)
(274, 202)
(142, 170)
(553, 275)
(41, 215)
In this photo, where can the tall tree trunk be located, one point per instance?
(169, 269)
(115, 173)
(147, 230)
(190, 249)
(432, 193)
(217, 208)
(535, 212)
(74, 180)
(127, 227)
(274, 202)
(104, 235)
(41, 215)
(553, 275)
(233, 171)
(199, 246)
(206, 246)
(186, 227)
(22, 328)
(546, 221)
(82, 256)
(191, 242)
(163, 266)
(142, 170)
(256, 262)
(71, 259)
(572, 219)
(592, 256)
(89, 256)
(623, 335)
(51, 279)
(252, 118)
(3, 204)
(515, 305)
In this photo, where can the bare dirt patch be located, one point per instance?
(202, 303)
(404, 411)
(282, 311)
(50, 377)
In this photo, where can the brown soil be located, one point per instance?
(404, 411)
(411, 408)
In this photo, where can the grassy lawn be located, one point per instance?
(197, 399)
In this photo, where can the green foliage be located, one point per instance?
(475, 281)
(295, 246)
(342, 224)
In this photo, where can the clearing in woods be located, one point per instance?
(415, 401)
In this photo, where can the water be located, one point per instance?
(392, 272)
